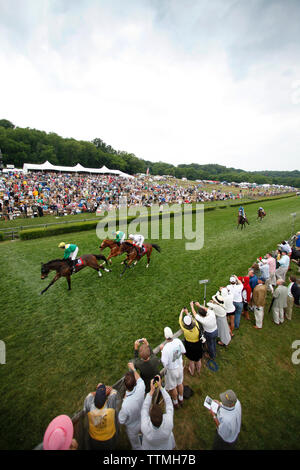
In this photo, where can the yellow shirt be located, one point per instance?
(102, 424)
(192, 336)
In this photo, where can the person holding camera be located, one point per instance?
(171, 357)
(192, 342)
(207, 318)
(130, 412)
(145, 361)
(156, 426)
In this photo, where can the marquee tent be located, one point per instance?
(47, 166)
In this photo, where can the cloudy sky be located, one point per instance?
(179, 81)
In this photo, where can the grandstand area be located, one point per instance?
(60, 345)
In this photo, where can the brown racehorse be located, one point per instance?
(242, 221)
(261, 214)
(134, 254)
(115, 248)
(64, 268)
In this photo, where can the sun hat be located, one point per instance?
(228, 398)
(100, 396)
(218, 299)
(59, 434)
(168, 333)
(188, 322)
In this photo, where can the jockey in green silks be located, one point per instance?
(70, 252)
(119, 237)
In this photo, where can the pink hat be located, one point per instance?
(59, 434)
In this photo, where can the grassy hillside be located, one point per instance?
(60, 345)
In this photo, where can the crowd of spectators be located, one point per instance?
(35, 194)
(154, 387)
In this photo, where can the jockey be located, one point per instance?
(119, 237)
(261, 209)
(242, 211)
(70, 252)
(137, 239)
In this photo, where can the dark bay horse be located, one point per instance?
(134, 253)
(242, 221)
(115, 248)
(63, 268)
(261, 214)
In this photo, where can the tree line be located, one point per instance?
(26, 145)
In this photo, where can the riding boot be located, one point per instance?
(73, 266)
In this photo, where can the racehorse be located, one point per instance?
(115, 249)
(134, 253)
(261, 214)
(63, 268)
(241, 221)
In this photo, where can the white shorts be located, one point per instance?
(173, 378)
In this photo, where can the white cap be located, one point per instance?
(187, 320)
(232, 279)
(168, 333)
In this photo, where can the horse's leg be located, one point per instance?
(56, 277)
(148, 257)
(69, 281)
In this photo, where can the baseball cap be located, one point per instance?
(100, 396)
(168, 333)
(228, 398)
(232, 279)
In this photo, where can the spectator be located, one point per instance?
(259, 300)
(207, 318)
(284, 263)
(130, 413)
(264, 270)
(279, 302)
(228, 421)
(229, 307)
(157, 427)
(236, 288)
(171, 357)
(218, 307)
(146, 361)
(298, 240)
(59, 435)
(101, 407)
(293, 297)
(192, 342)
(246, 295)
(253, 281)
(271, 282)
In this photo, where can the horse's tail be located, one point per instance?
(156, 247)
(101, 257)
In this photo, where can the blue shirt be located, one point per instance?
(253, 281)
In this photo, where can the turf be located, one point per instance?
(61, 344)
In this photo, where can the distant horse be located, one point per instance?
(242, 221)
(134, 253)
(115, 248)
(63, 268)
(261, 214)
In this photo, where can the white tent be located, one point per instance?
(70, 169)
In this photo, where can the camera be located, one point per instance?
(156, 380)
(202, 339)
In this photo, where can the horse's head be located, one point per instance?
(44, 271)
(104, 244)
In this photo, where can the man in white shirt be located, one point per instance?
(171, 358)
(207, 318)
(130, 413)
(156, 426)
(228, 421)
(236, 288)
